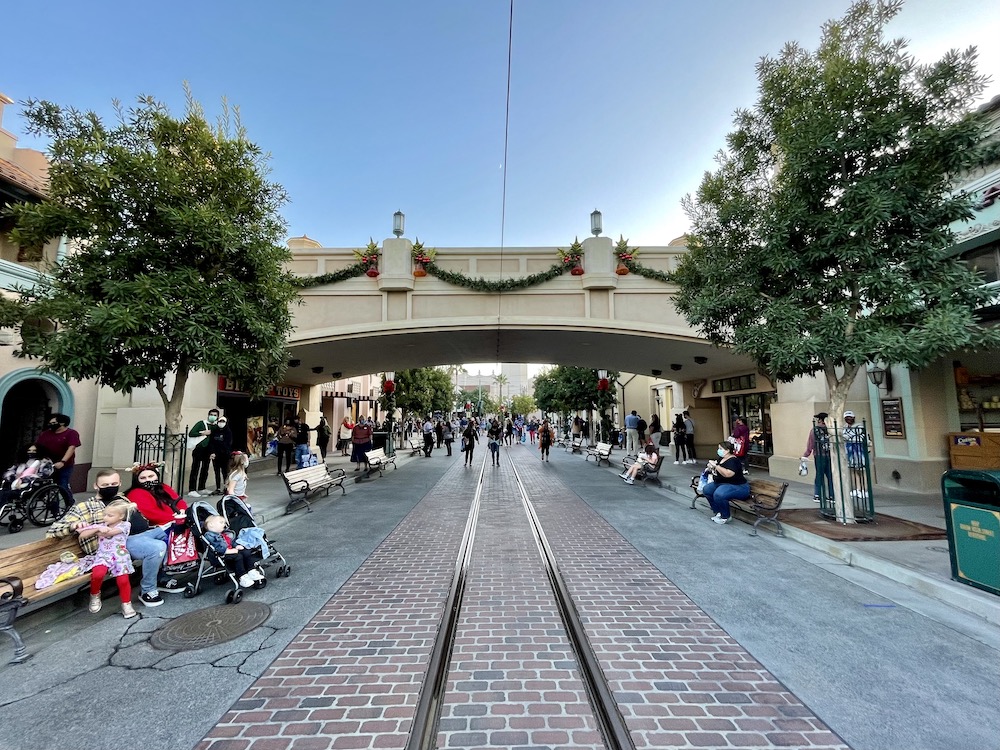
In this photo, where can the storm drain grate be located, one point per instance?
(207, 627)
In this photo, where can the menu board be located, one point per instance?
(892, 418)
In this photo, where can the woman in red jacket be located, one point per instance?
(157, 502)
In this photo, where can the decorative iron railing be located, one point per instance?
(167, 449)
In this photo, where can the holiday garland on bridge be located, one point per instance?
(368, 261)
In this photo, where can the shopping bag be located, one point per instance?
(182, 555)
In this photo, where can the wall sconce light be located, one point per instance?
(675, 367)
(881, 376)
(294, 362)
(336, 375)
(657, 373)
(602, 374)
(596, 226)
(700, 360)
(317, 370)
(398, 222)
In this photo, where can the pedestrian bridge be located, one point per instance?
(394, 321)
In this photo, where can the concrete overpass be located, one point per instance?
(599, 319)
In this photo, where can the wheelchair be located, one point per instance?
(41, 501)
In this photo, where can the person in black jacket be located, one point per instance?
(220, 445)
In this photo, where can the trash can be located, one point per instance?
(972, 511)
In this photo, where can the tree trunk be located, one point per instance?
(172, 404)
(839, 386)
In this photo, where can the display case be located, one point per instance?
(978, 401)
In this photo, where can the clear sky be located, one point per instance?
(376, 105)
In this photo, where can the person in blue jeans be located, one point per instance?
(729, 481)
(818, 445)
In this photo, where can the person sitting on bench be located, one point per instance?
(729, 481)
(647, 457)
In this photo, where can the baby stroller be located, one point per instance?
(210, 563)
(238, 515)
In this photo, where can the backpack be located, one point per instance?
(642, 426)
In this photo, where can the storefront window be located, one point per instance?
(756, 407)
(986, 260)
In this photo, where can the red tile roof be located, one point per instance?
(13, 174)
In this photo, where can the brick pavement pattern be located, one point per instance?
(513, 679)
(351, 678)
(680, 681)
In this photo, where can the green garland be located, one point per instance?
(504, 285)
(351, 272)
(649, 273)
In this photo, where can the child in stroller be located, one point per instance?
(213, 562)
(235, 556)
(247, 530)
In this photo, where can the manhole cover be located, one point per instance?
(207, 627)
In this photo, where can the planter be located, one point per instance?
(419, 271)
(622, 269)
(372, 272)
(576, 271)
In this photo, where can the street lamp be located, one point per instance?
(389, 389)
(880, 376)
(398, 220)
(595, 223)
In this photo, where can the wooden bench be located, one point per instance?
(601, 451)
(764, 503)
(378, 460)
(20, 567)
(575, 445)
(645, 473)
(306, 483)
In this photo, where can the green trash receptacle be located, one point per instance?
(972, 511)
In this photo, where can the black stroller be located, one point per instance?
(210, 563)
(239, 517)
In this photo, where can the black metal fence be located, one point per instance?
(169, 450)
(843, 458)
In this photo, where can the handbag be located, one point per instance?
(182, 555)
(665, 438)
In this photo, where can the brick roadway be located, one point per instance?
(513, 680)
(351, 678)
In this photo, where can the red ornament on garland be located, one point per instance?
(373, 272)
(602, 384)
(576, 271)
(388, 386)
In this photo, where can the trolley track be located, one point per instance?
(606, 715)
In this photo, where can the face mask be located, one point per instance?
(721, 452)
(53, 427)
(213, 419)
(109, 493)
(151, 485)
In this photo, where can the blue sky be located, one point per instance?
(371, 106)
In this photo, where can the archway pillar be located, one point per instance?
(599, 264)
(397, 265)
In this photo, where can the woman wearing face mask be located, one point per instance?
(729, 484)
(158, 502)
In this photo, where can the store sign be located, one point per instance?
(892, 418)
(284, 391)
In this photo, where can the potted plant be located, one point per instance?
(625, 255)
(368, 259)
(421, 258)
(573, 258)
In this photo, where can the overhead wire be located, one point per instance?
(503, 198)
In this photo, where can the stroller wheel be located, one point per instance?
(236, 595)
(190, 591)
(229, 596)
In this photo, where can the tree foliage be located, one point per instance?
(523, 404)
(564, 389)
(821, 241)
(422, 391)
(178, 262)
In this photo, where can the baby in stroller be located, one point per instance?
(248, 532)
(236, 557)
